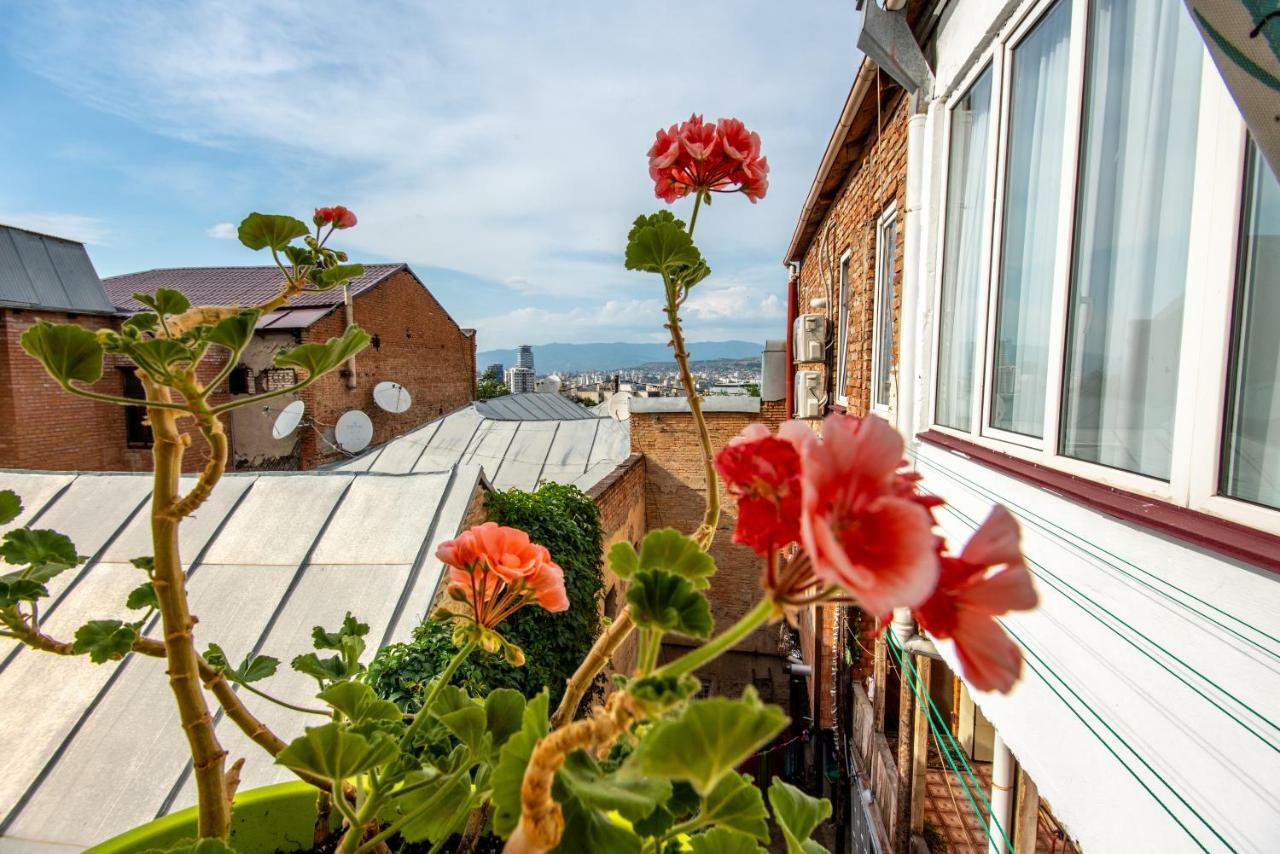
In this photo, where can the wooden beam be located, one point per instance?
(902, 800)
(1026, 815)
(920, 749)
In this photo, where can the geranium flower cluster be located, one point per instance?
(339, 216)
(495, 571)
(867, 530)
(705, 157)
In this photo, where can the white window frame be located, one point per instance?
(1204, 357)
(841, 391)
(887, 217)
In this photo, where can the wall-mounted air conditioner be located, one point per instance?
(811, 338)
(810, 396)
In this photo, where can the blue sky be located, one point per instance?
(499, 152)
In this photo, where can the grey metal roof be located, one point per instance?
(232, 285)
(714, 403)
(532, 406)
(513, 454)
(41, 271)
(93, 750)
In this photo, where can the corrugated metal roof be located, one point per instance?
(41, 271)
(232, 285)
(532, 406)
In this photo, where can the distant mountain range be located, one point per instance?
(567, 358)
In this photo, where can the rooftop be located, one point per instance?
(43, 271)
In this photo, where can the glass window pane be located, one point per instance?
(1251, 450)
(1133, 217)
(1033, 179)
(966, 237)
(886, 291)
(842, 336)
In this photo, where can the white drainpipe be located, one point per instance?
(916, 165)
(1001, 800)
(931, 198)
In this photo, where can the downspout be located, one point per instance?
(904, 628)
(793, 286)
(910, 275)
(351, 319)
(932, 195)
(1001, 793)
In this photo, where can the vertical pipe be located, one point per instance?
(351, 362)
(793, 285)
(920, 749)
(910, 275)
(1001, 789)
(903, 627)
(932, 198)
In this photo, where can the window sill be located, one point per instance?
(1218, 535)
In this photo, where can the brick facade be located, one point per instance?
(621, 499)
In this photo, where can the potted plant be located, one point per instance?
(834, 517)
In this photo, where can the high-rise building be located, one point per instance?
(524, 356)
(496, 371)
(520, 380)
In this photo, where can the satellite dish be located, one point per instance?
(353, 432)
(554, 383)
(288, 419)
(620, 406)
(392, 397)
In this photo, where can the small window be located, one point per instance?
(885, 296)
(842, 335)
(137, 432)
(238, 380)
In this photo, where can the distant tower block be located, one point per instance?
(495, 372)
(524, 356)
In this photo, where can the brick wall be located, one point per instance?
(676, 484)
(621, 499)
(876, 180)
(417, 345)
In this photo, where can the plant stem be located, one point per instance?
(650, 643)
(721, 643)
(693, 220)
(425, 712)
(208, 758)
(601, 651)
(270, 699)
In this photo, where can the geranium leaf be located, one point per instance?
(722, 840)
(439, 805)
(634, 796)
(798, 815)
(736, 803)
(335, 753)
(588, 829)
(708, 739)
(503, 709)
(667, 548)
(143, 321)
(350, 628)
(513, 759)
(331, 669)
(331, 277)
(253, 669)
(359, 703)
(39, 548)
(142, 596)
(319, 359)
(15, 588)
(260, 231)
(165, 301)
(157, 355)
(665, 601)
(661, 247)
(10, 506)
(657, 694)
(104, 640)
(68, 352)
(234, 332)
(623, 559)
(461, 715)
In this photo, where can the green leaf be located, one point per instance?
(513, 759)
(165, 301)
(335, 753)
(503, 709)
(708, 740)
(10, 506)
(158, 355)
(357, 701)
(657, 245)
(588, 829)
(350, 628)
(736, 803)
(722, 840)
(319, 359)
(16, 587)
(623, 559)
(194, 846)
(38, 548)
(634, 796)
(260, 231)
(440, 806)
(331, 277)
(104, 640)
(331, 669)
(147, 563)
(667, 548)
(68, 352)
(664, 601)
(299, 256)
(142, 596)
(143, 321)
(798, 815)
(253, 669)
(234, 332)
(656, 694)
(461, 715)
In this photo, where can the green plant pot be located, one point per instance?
(273, 818)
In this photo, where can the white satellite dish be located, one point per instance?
(620, 406)
(288, 419)
(554, 383)
(392, 397)
(353, 431)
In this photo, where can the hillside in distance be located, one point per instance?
(567, 358)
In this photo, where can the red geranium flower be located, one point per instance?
(989, 578)
(343, 217)
(703, 157)
(322, 216)
(497, 570)
(763, 471)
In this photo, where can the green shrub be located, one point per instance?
(567, 522)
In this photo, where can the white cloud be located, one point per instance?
(85, 229)
(222, 231)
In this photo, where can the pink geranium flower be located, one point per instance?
(989, 578)
(497, 570)
(763, 472)
(701, 157)
(862, 530)
(339, 216)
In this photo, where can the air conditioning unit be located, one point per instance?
(811, 338)
(810, 396)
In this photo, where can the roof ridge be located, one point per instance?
(224, 266)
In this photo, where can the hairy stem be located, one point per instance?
(425, 712)
(601, 651)
(721, 643)
(216, 438)
(706, 532)
(208, 758)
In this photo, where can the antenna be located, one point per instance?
(288, 419)
(620, 406)
(392, 397)
(353, 431)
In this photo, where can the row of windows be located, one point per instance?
(1107, 297)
